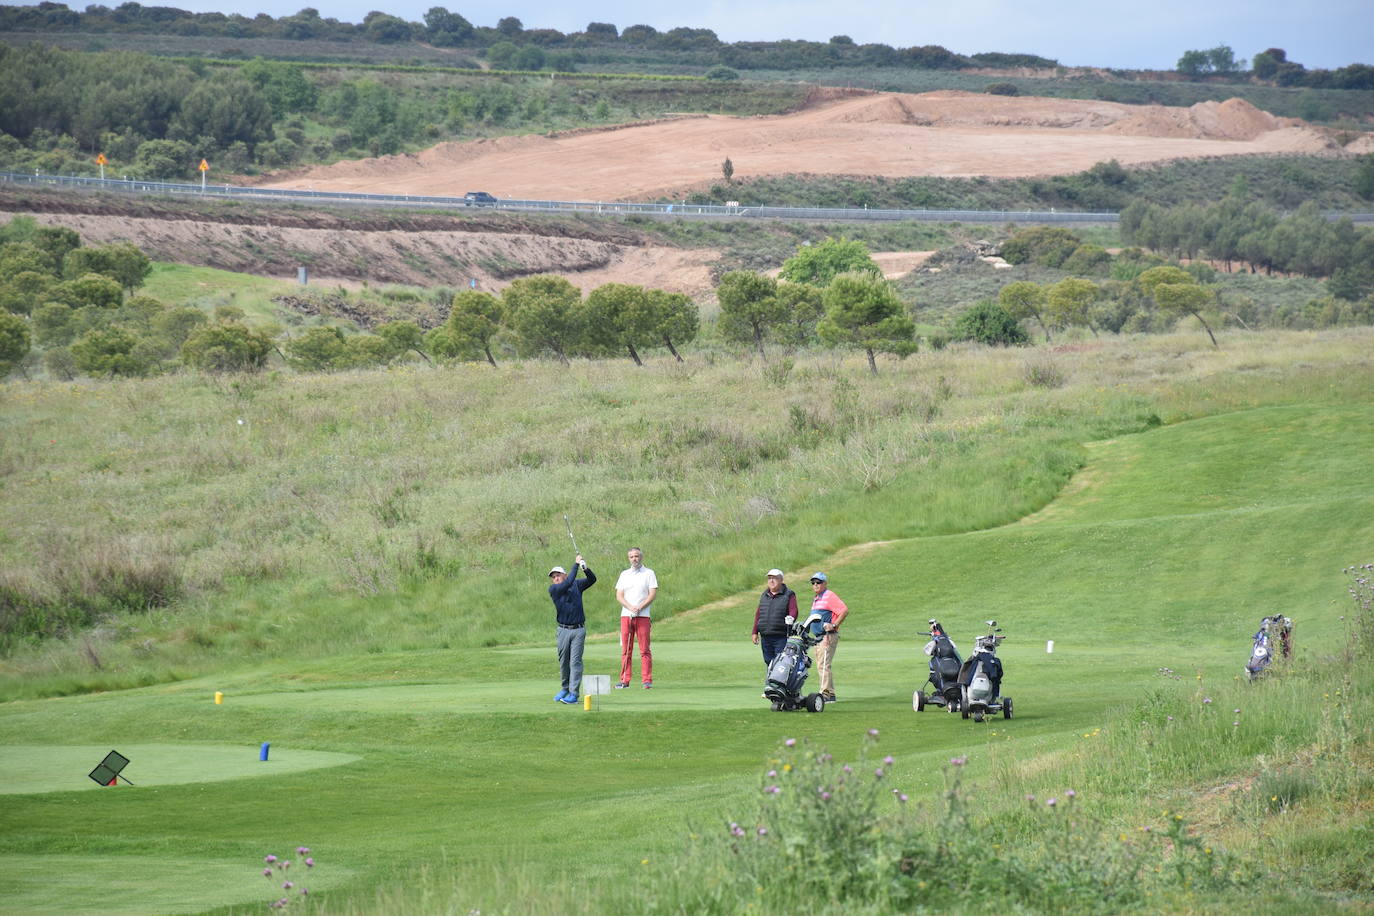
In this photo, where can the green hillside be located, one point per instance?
(1208, 488)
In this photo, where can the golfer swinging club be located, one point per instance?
(566, 592)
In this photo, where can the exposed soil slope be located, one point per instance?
(890, 134)
(421, 249)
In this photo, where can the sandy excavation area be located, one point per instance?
(947, 133)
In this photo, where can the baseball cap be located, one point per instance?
(775, 572)
(558, 569)
(819, 577)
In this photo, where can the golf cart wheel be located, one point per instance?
(978, 717)
(1006, 707)
(918, 701)
(777, 707)
(815, 703)
(963, 709)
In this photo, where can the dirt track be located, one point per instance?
(890, 134)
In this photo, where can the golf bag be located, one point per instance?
(981, 679)
(1275, 634)
(944, 672)
(787, 675)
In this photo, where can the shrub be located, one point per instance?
(722, 72)
(1002, 89)
(226, 348)
(990, 324)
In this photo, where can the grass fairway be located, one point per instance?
(1164, 551)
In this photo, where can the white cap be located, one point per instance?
(775, 572)
(558, 569)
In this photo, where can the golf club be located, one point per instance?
(570, 534)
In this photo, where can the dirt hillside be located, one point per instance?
(891, 134)
(420, 251)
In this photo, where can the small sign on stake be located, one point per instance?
(106, 773)
(204, 167)
(100, 160)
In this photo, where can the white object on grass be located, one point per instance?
(1049, 647)
(596, 683)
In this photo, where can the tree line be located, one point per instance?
(1271, 66)
(1236, 230)
(444, 28)
(77, 309)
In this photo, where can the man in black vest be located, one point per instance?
(776, 604)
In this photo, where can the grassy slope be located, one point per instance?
(1165, 550)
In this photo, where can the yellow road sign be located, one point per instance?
(204, 166)
(100, 160)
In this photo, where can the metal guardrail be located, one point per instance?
(670, 211)
(676, 210)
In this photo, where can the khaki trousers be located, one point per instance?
(825, 654)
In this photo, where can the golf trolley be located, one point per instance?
(1274, 627)
(981, 679)
(787, 674)
(944, 672)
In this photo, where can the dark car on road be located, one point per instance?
(478, 199)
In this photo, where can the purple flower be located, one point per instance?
(878, 773)
(1237, 722)
(269, 859)
(302, 850)
(825, 796)
(887, 761)
(772, 790)
(1206, 701)
(1030, 798)
(286, 864)
(763, 831)
(847, 768)
(790, 742)
(872, 733)
(958, 761)
(1051, 802)
(309, 863)
(737, 831)
(902, 797)
(1170, 718)
(287, 886)
(1236, 711)
(772, 774)
(304, 891)
(1070, 794)
(267, 873)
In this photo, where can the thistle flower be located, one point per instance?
(958, 761)
(269, 859)
(887, 761)
(872, 733)
(1051, 802)
(790, 742)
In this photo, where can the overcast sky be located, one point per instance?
(1151, 34)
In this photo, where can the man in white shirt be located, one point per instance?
(635, 590)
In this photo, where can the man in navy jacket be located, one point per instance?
(566, 592)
